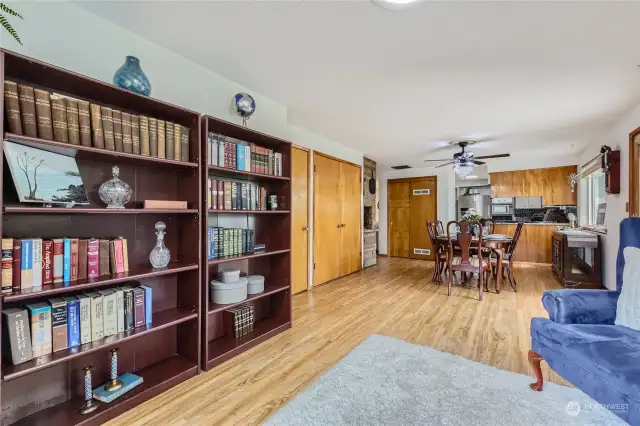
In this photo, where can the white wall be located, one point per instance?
(446, 196)
(617, 138)
(69, 36)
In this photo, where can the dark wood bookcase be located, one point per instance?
(273, 228)
(48, 390)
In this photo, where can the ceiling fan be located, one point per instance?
(464, 161)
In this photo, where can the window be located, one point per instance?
(595, 198)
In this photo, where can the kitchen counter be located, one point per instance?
(535, 240)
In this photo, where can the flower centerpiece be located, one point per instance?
(471, 215)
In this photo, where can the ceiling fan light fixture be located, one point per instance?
(394, 4)
(463, 168)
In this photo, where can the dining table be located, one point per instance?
(497, 244)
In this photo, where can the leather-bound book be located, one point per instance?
(43, 114)
(12, 107)
(84, 122)
(169, 142)
(126, 133)
(135, 133)
(7, 264)
(138, 307)
(125, 254)
(128, 308)
(144, 135)
(96, 126)
(27, 110)
(58, 323)
(184, 141)
(117, 129)
(47, 262)
(161, 140)
(177, 142)
(153, 137)
(73, 121)
(107, 128)
(83, 257)
(104, 257)
(74, 259)
(59, 118)
(93, 258)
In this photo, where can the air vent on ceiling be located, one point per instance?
(404, 166)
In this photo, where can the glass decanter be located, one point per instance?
(114, 192)
(160, 255)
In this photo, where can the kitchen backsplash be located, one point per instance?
(558, 215)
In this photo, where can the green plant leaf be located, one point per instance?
(10, 11)
(7, 26)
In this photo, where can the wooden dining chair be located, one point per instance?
(466, 262)
(439, 227)
(509, 255)
(440, 252)
(488, 223)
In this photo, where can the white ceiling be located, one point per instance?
(535, 78)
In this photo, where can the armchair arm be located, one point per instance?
(581, 306)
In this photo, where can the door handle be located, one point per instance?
(342, 225)
(305, 228)
(339, 225)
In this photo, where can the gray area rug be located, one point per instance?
(387, 381)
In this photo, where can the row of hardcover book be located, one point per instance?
(222, 242)
(239, 319)
(65, 322)
(34, 262)
(231, 195)
(40, 114)
(231, 153)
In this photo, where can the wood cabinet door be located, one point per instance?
(423, 208)
(399, 212)
(557, 187)
(326, 219)
(350, 214)
(299, 220)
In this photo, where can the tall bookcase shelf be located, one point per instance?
(48, 390)
(272, 308)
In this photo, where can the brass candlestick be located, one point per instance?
(89, 403)
(114, 383)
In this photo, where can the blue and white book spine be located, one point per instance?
(210, 243)
(37, 262)
(221, 154)
(73, 321)
(26, 264)
(240, 157)
(148, 308)
(66, 260)
(247, 158)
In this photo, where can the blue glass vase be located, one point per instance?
(131, 77)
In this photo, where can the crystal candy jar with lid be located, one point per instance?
(160, 255)
(114, 192)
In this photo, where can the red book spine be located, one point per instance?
(264, 161)
(17, 252)
(117, 246)
(74, 259)
(93, 259)
(47, 262)
(58, 254)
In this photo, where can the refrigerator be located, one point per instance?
(481, 204)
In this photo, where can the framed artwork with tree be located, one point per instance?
(44, 177)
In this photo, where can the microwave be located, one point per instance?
(502, 209)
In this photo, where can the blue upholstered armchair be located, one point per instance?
(580, 342)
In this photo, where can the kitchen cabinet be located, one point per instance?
(551, 184)
(528, 202)
(535, 241)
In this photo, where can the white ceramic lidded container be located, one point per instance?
(256, 284)
(223, 293)
(229, 276)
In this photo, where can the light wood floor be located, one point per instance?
(395, 298)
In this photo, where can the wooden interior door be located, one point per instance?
(299, 220)
(326, 219)
(424, 197)
(350, 214)
(399, 217)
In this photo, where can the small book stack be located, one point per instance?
(222, 242)
(39, 114)
(34, 262)
(65, 322)
(239, 319)
(232, 195)
(230, 153)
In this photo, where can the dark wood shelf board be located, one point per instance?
(225, 348)
(161, 320)
(157, 378)
(237, 131)
(247, 256)
(74, 286)
(268, 291)
(87, 152)
(214, 211)
(226, 172)
(91, 210)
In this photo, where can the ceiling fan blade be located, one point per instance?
(492, 156)
(479, 163)
(445, 164)
(448, 159)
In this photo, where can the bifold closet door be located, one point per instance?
(326, 219)
(350, 214)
